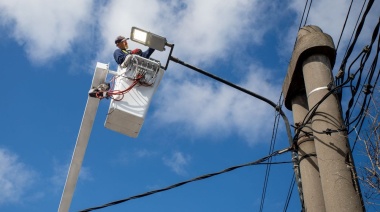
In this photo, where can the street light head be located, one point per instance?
(139, 36)
(148, 39)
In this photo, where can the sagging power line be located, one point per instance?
(257, 162)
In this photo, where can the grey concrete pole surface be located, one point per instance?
(332, 148)
(311, 182)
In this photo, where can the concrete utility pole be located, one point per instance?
(310, 72)
(311, 182)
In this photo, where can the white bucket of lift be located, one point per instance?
(127, 112)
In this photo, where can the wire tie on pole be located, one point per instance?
(284, 150)
(340, 74)
(328, 131)
(367, 89)
(317, 89)
(366, 49)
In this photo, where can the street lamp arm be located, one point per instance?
(223, 81)
(170, 54)
(276, 107)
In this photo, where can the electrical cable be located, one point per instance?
(303, 14)
(358, 31)
(371, 72)
(344, 25)
(340, 82)
(356, 24)
(367, 81)
(276, 163)
(348, 53)
(354, 89)
(337, 85)
(307, 15)
(357, 135)
(337, 82)
(339, 79)
(354, 81)
(359, 119)
(267, 171)
(327, 131)
(304, 9)
(349, 49)
(276, 107)
(291, 187)
(120, 93)
(257, 162)
(311, 111)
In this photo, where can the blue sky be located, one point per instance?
(194, 126)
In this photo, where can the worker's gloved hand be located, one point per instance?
(137, 51)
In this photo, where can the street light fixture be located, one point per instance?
(152, 41)
(148, 39)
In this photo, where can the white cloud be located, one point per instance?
(60, 174)
(127, 157)
(203, 31)
(15, 177)
(49, 29)
(177, 162)
(330, 17)
(206, 30)
(144, 153)
(117, 18)
(45, 28)
(219, 110)
(59, 177)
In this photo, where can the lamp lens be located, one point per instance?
(140, 36)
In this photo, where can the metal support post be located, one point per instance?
(91, 108)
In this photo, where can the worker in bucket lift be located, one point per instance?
(122, 51)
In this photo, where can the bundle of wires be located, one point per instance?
(117, 95)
